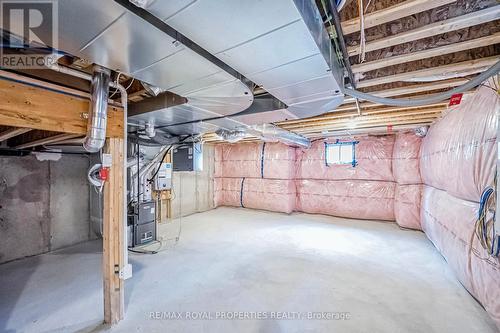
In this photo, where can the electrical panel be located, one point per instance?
(163, 179)
(188, 157)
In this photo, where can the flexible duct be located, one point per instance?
(493, 70)
(98, 109)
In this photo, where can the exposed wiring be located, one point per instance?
(485, 224)
(493, 70)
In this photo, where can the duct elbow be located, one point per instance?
(98, 110)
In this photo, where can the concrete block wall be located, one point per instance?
(44, 204)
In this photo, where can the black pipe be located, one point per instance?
(340, 37)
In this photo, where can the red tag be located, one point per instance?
(389, 128)
(104, 174)
(455, 99)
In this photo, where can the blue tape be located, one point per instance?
(241, 191)
(262, 160)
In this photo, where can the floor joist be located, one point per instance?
(428, 53)
(392, 13)
(441, 27)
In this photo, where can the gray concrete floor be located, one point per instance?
(261, 263)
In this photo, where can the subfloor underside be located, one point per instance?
(277, 270)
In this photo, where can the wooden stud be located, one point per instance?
(44, 141)
(113, 246)
(428, 53)
(10, 133)
(470, 66)
(392, 13)
(441, 27)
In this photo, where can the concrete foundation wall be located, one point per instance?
(44, 205)
(193, 191)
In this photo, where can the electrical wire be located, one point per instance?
(493, 70)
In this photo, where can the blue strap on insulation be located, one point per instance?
(262, 160)
(241, 191)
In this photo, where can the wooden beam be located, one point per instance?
(392, 13)
(28, 106)
(429, 53)
(441, 27)
(113, 246)
(469, 66)
(415, 88)
(10, 133)
(343, 115)
(44, 141)
(371, 124)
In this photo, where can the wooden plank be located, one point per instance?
(415, 88)
(392, 13)
(113, 247)
(28, 106)
(10, 133)
(424, 54)
(44, 141)
(456, 23)
(470, 66)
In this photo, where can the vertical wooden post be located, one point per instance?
(113, 245)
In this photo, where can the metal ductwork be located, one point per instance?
(98, 110)
(270, 132)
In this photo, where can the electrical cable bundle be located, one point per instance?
(485, 224)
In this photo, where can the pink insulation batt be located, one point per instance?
(457, 163)
(245, 160)
(405, 160)
(373, 200)
(407, 205)
(449, 223)
(373, 154)
(458, 154)
(268, 194)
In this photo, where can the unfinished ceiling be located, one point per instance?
(412, 48)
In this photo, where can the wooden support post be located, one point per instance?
(113, 245)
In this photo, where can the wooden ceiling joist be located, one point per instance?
(44, 141)
(441, 27)
(414, 88)
(27, 106)
(428, 53)
(466, 67)
(392, 13)
(10, 133)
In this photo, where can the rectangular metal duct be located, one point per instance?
(281, 45)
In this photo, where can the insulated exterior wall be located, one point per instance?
(373, 155)
(276, 195)
(449, 223)
(458, 154)
(407, 205)
(406, 170)
(255, 160)
(457, 163)
(373, 200)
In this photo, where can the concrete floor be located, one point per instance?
(384, 278)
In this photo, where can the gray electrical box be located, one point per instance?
(188, 157)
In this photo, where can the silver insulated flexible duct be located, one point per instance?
(98, 109)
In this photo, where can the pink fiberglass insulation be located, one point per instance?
(227, 191)
(407, 205)
(458, 154)
(373, 200)
(373, 154)
(449, 223)
(268, 194)
(255, 160)
(405, 160)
